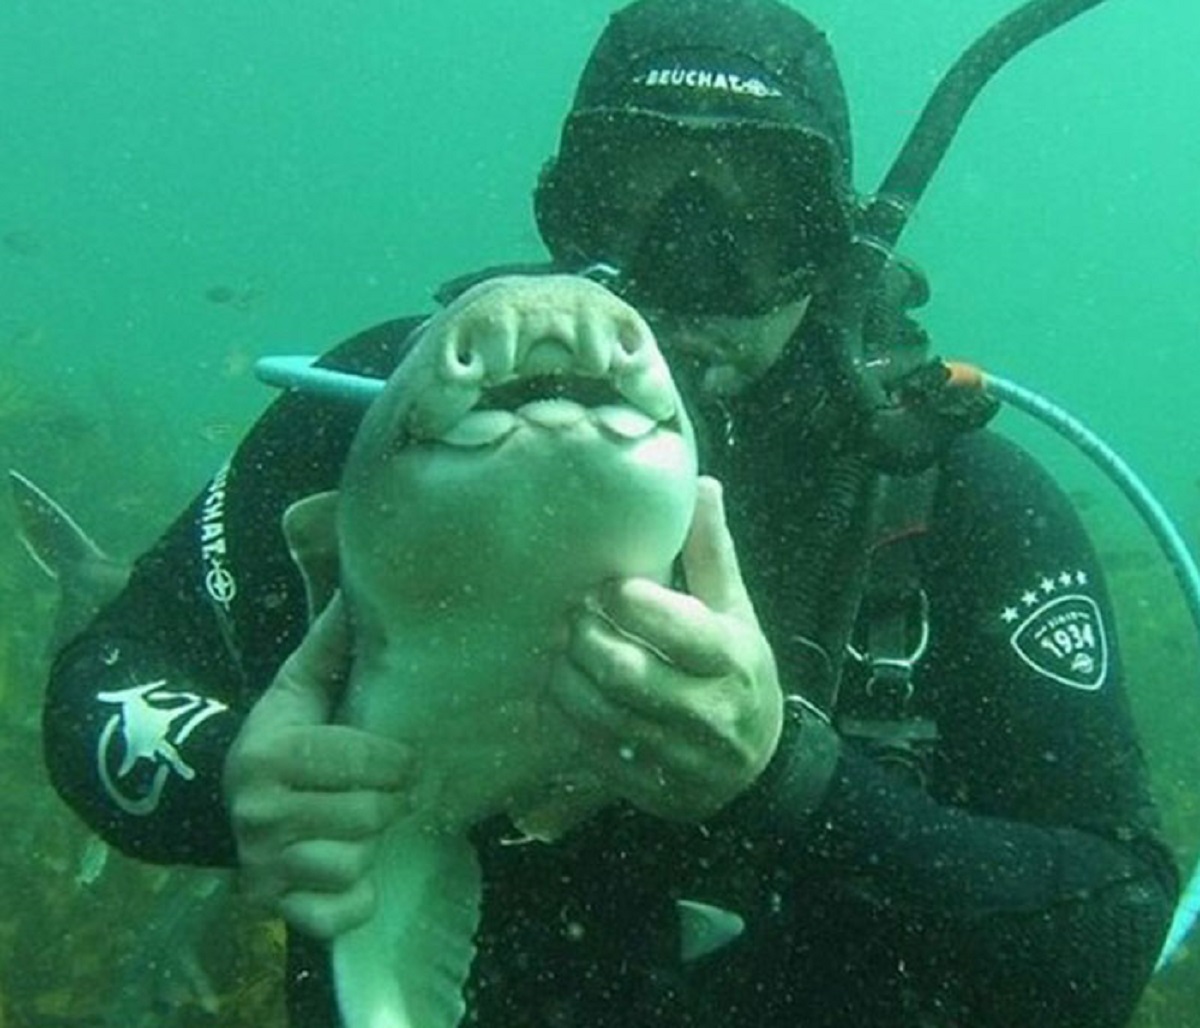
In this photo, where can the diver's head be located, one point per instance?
(706, 158)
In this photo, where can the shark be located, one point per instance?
(530, 445)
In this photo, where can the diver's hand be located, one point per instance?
(675, 696)
(308, 799)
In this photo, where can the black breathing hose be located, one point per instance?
(888, 211)
(885, 215)
(827, 600)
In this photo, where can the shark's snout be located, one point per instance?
(489, 383)
(546, 342)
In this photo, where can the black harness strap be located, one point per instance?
(877, 704)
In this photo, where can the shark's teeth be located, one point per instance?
(624, 422)
(480, 428)
(553, 413)
(483, 428)
(648, 388)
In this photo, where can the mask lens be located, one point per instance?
(698, 253)
(731, 221)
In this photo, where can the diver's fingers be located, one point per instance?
(326, 865)
(314, 758)
(635, 683)
(710, 561)
(326, 915)
(348, 815)
(611, 731)
(677, 627)
(266, 818)
(338, 758)
(641, 759)
(582, 689)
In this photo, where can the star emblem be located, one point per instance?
(1029, 597)
(1047, 585)
(1009, 615)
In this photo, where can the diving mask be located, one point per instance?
(735, 221)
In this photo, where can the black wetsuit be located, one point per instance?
(1024, 885)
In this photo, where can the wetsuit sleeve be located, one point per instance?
(1028, 883)
(142, 707)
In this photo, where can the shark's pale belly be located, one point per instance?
(463, 679)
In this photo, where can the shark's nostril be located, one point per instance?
(631, 339)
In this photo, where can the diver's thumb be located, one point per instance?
(710, 561)
(311, 680)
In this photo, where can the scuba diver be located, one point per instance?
(907, 791)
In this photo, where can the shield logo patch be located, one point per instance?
(1064, 640)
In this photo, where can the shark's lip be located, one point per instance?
(488, 427)
(622, 409)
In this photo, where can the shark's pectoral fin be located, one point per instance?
(408, 965)
(310, 528)
(562, 804)
(52, 537)
(88, 578)
(704, 929)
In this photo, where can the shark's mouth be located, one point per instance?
(586, 390)
(557, 402)
(629, 399)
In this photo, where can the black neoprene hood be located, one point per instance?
(706, 62)
(754, 71)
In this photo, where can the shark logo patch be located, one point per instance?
(139, 747)
(1057, 630)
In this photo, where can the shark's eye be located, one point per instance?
(584, 390)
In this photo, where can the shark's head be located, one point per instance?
(532, 440)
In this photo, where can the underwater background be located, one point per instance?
(185, 187)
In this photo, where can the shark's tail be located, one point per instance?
(407, 966)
